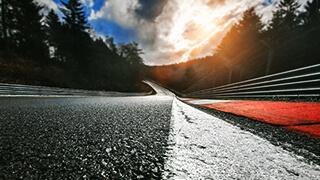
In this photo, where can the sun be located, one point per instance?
(194, 23)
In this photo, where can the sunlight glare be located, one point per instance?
(194, 24)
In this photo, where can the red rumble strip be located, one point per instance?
(298, 116)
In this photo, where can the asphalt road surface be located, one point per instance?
(144, 137)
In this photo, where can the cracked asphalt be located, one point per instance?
(84, 138)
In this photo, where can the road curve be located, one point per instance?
(143, 137)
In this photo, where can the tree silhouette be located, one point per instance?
(285, 20)
(251, 49)
(74, 15)
(241, 42)
(76, 44)
(54, 36)
(310, 31)
(131, 52)
(78, 60)
(242, 35)
(312, 15)
(26, 31)
(110, 43)
(3, 25)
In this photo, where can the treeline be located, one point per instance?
(62, 50)
(251, 49)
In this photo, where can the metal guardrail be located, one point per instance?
(301, 82)
(17, 89)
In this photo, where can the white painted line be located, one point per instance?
(160, 91)
(204, 147)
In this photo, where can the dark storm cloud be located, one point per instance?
(150, 9)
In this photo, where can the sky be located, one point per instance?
(168, 31)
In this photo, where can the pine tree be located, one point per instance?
(8, 25)
(289, 10)
(131, 52)
(285, 19)
(312, 15)
(241, 44)
(27, 30)
(242, 35)
(284, 24)
(3, 24)
(310, 40)
(281, 36)
(249, 29)
(74, 15)
(52, 21)
(54, 35)
(110, 43)
(76, 46)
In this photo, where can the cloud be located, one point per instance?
(196, 26)
(175, 30)
(126, 14)
(191, 29)
(88, 3)
(122, 12)
(150, 9)
(171, 31)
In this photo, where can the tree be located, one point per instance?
(131, 53)
(23, 30)
(74, 15)
(285, 19)
(52, 22)
(9, 25)
(110, 43)
(310, 42)
(3, 25)
(76, 44)
(312, 15)
(54, 36)
(242, 35)
(281, 30)
(241, 43)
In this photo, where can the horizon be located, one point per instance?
(159, 89)
(169, 32)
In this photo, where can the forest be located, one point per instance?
(61, 49)
(291, 39)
